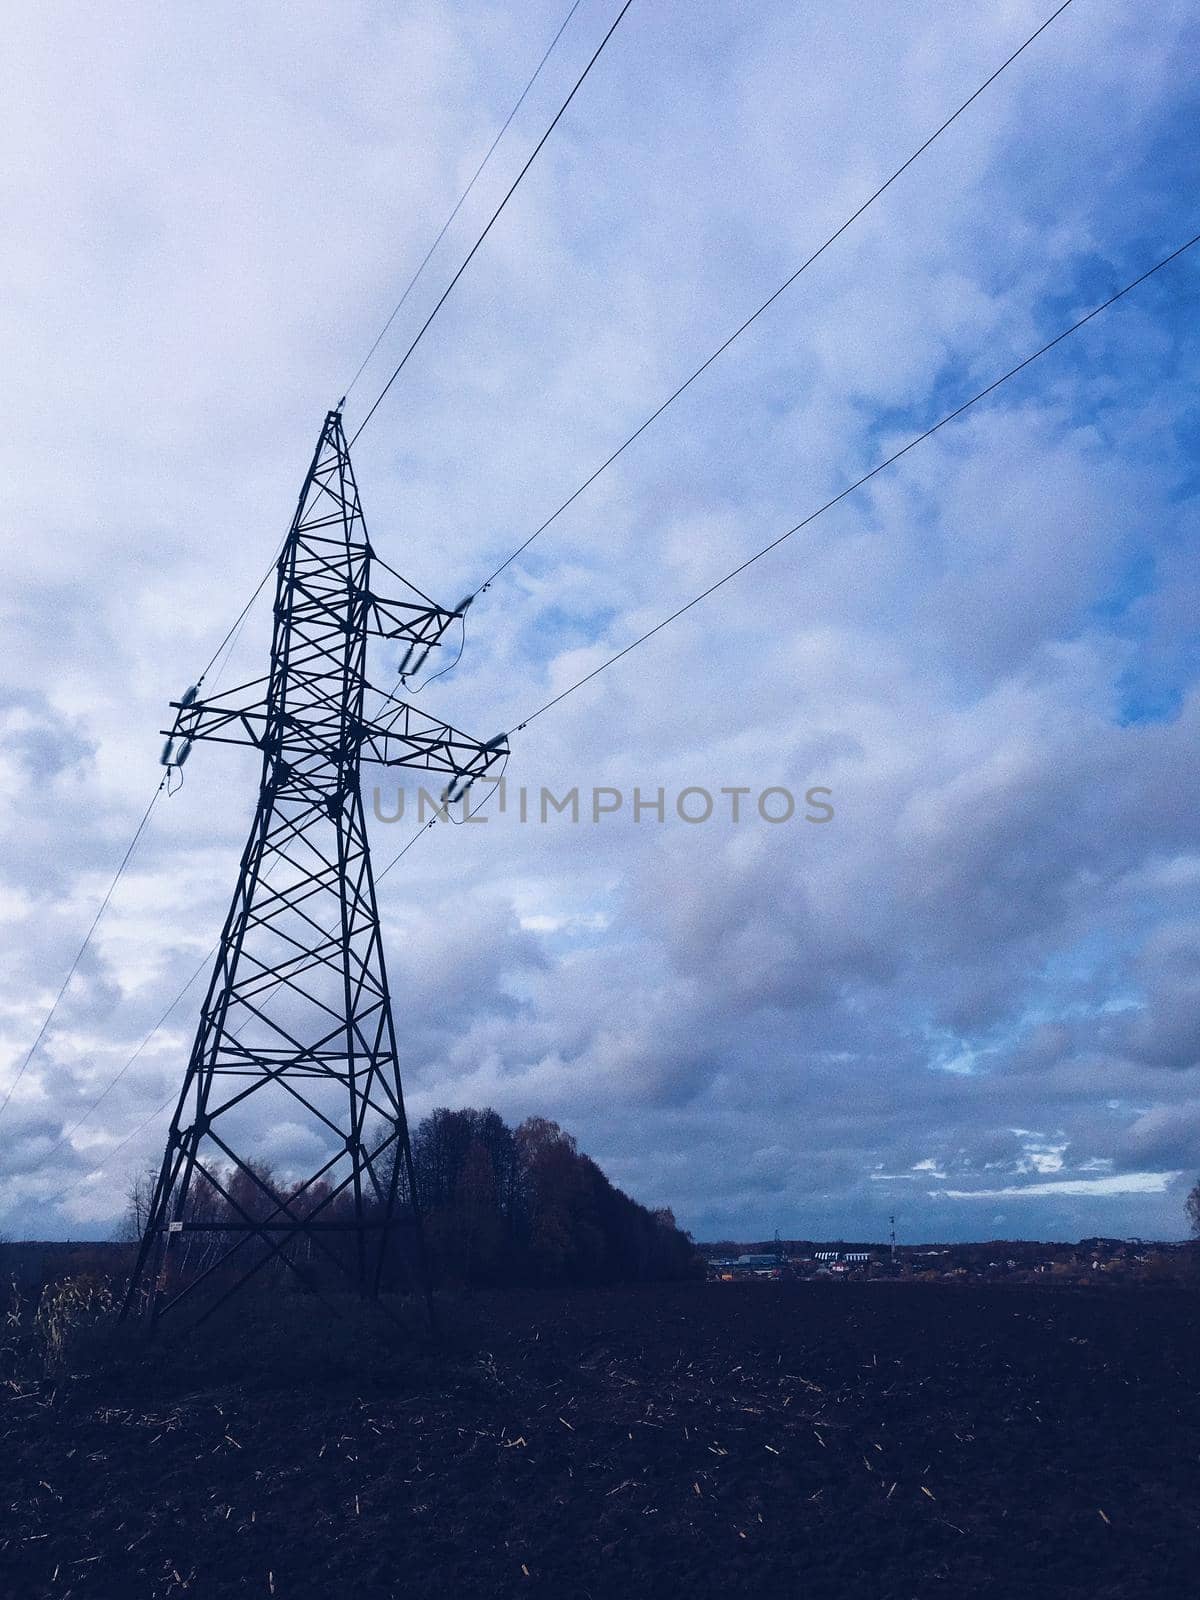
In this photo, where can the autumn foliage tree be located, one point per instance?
(500, 1205)
(524, 1205)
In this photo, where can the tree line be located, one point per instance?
(500, 1205)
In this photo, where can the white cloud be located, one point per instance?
(208, 221)
(1122, 1184)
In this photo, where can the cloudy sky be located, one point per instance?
(972, 998)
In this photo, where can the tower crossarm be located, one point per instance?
(408, 622)
(405, 737)
(227, 721)
(408, 738)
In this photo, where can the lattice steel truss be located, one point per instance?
(296, 1033)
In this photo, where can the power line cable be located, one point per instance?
(70, 1133)
(441, 233)
(241, 617)
(716, 354)
(94, 1172)
(111, 1085)
(97, 1172)
(236, 626)
(865, 478)
(468, 258)
(87, 939)
(750, 561)
(400, 854)
(828, 505)
(239, 621)
(771, 299)
(230, 639)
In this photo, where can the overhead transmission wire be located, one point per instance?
(866, 477)
(721, 348)
(158, 1110)
(230, 638)
(87, 939)
(696, 600)
(95, 1172)
(445, 295)
(708, 362)
(735, 335)
(69, 1134)
(704, 365)
(458, 204)
(771, 299)
(470, 255)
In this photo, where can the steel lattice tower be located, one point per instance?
(296, 1030)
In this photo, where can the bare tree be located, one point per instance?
(138, 1200)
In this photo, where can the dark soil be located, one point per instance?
(819, 1440)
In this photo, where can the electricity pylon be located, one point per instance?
(296, 1037)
